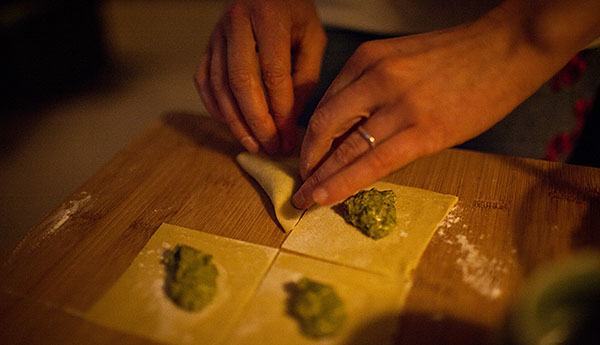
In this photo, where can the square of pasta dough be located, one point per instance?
(323, 233)
(137, 303)
(372, 305)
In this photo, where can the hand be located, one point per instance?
(262, 63)
(416, 95)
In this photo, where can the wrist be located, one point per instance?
(555, 29)
(525, 43)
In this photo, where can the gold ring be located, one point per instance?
(368, 137)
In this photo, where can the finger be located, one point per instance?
(308, 57)
(202, 83)
(274, 54)
(332, 118)
(245, 80)
(225, 101)
(382, 125)
(389, 156)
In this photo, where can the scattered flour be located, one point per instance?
(479, 271)
(65, 214)
(61, 217)
(451, 219)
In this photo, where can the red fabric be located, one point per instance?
(561, 144)
(570, 74)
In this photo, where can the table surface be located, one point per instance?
(513, 215)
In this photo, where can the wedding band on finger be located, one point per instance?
(368, 137)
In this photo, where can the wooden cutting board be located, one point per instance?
(513, 215)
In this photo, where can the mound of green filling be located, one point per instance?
(373, 212)
(191, 280)
(317, 308)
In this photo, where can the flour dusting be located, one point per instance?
(65, 214)
(479, 271)
(59, 220)
(451, 219)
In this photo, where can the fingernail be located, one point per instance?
(250, 144)
(320, 196)
(298, 200)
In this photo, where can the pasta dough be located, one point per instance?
(372, 304)
(322, 233)
(137, 302)
(278, 179)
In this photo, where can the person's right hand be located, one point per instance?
(262, 63)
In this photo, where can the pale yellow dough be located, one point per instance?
(279, 180)
(372, 304)
(322, 233)
(137, 304)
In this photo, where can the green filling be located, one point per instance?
(317, 308)
(191, 280)
(373, 212)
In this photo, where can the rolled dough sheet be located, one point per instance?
(137, 304)
(279, 180)
(322, 233)
(372, 304)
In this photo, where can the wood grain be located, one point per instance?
(513, 213)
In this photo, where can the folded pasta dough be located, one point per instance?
(279, 179)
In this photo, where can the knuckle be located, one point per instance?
(387, 76)
(356, 145)
(365, 52)
(385, 65)
(318, 122)
(278, 117)
(274, 76)
(240, 80)
(340, 156)
(347, 151)
(255, 124)
(281, 120)
(385, 68)
(217, 83)
(435, 140)
(315, 179)
(379, 164)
